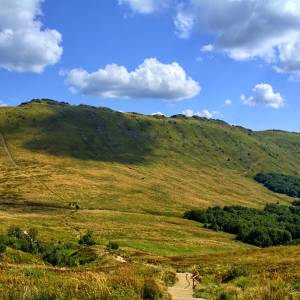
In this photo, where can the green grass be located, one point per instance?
(257, 274)
(127, 170)
(162, 165)
(133, 177)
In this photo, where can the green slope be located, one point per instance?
(134, 162)
(133, 177)
(126, 167)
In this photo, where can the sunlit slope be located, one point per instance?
(104, 159)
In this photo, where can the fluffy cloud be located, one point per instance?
(247, 29)
(25, 46)
(151, 79)
(203, 114)
(264, 94)
(145, 6)
(227, 102)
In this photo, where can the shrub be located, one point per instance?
(15, 231)
(296, 203)
(87, 239)
(169, 278)
(112, 245)
(33, 234)
(2, 248)
(151, 290)
(57, 256)
(235, 272)
(226, 296)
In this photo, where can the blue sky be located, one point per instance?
(72, 42)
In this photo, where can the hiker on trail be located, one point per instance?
(195, 277)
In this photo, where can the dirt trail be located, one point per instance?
(183, 289)
(4, 145)
(14, 164)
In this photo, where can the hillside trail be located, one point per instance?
(4, 146)
(183, 289)
(68, 216)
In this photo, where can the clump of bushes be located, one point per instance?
(55, 254)
(23, 240)
(279, 183)
(274, 225)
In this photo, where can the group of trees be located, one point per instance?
(278, 183)
(57, 254)
(274, 225)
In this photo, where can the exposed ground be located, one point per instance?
(183, 288)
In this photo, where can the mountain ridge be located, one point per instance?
(135, 162)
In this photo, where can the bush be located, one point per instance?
(33, 234)
(2, 248)
(112, 245)
(235, 272)
(296, 203)
(226, 296)
(15, 231)
(87, 239)
(169, 278)
(151, 290)
(58, 256)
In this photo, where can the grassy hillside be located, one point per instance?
(132, 178)
(135, 162)
(110, 163)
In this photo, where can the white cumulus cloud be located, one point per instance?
(263, 93)
(157, 114)
(145, 6)
(247, 29)
(203, 114)
(151, 80)
(25, 45)
(228, 102)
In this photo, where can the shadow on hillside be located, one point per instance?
(88, 133)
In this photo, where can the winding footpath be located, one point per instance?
(183, 289)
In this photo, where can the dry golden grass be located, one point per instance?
(136, 197)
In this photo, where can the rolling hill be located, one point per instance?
(109, 160)
(132, 177)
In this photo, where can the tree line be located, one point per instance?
(279, 183)
(274, 225)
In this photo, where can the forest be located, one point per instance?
(279, 183)
(274, 225)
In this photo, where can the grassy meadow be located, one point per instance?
(132, 178)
